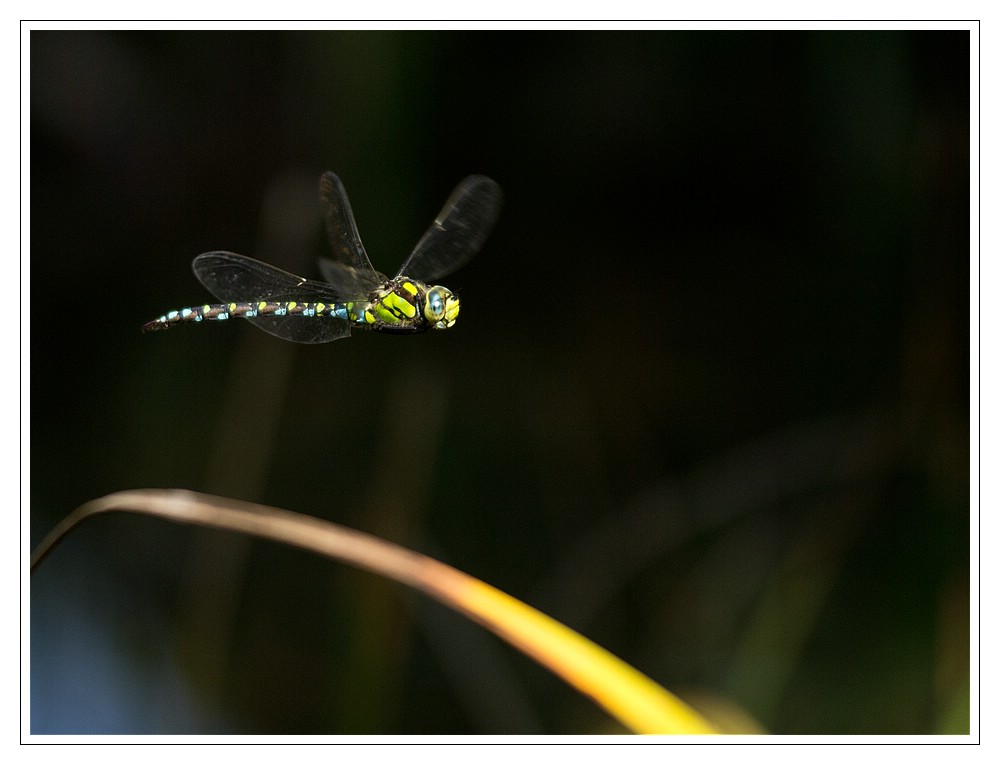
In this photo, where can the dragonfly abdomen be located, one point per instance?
(352, 312)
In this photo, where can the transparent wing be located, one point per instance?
(301, 329)
(458, 232)
(236, 278)
(340, 225)
(350, 281)
(232, 277)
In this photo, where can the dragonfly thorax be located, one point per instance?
(406, 305)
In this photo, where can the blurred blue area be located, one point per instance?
(80, 683)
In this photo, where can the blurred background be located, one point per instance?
(707, 401)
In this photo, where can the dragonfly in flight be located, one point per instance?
(353, 294)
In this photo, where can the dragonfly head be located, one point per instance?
(440, 307)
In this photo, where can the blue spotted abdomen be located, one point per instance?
(223, 311)
(394, 307)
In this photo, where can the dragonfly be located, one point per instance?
(353, 294)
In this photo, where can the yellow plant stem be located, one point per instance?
(630, 696)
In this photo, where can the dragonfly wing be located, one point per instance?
(458, 232)
(233, 277)
(348, 281)
(340, 225)
(236, 278)
(300, 329)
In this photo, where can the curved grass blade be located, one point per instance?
(628, 695)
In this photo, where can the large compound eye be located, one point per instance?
(434, 304)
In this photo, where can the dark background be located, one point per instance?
(707, 401)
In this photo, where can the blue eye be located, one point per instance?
(434, 309)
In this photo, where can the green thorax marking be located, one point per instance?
(398, 304)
